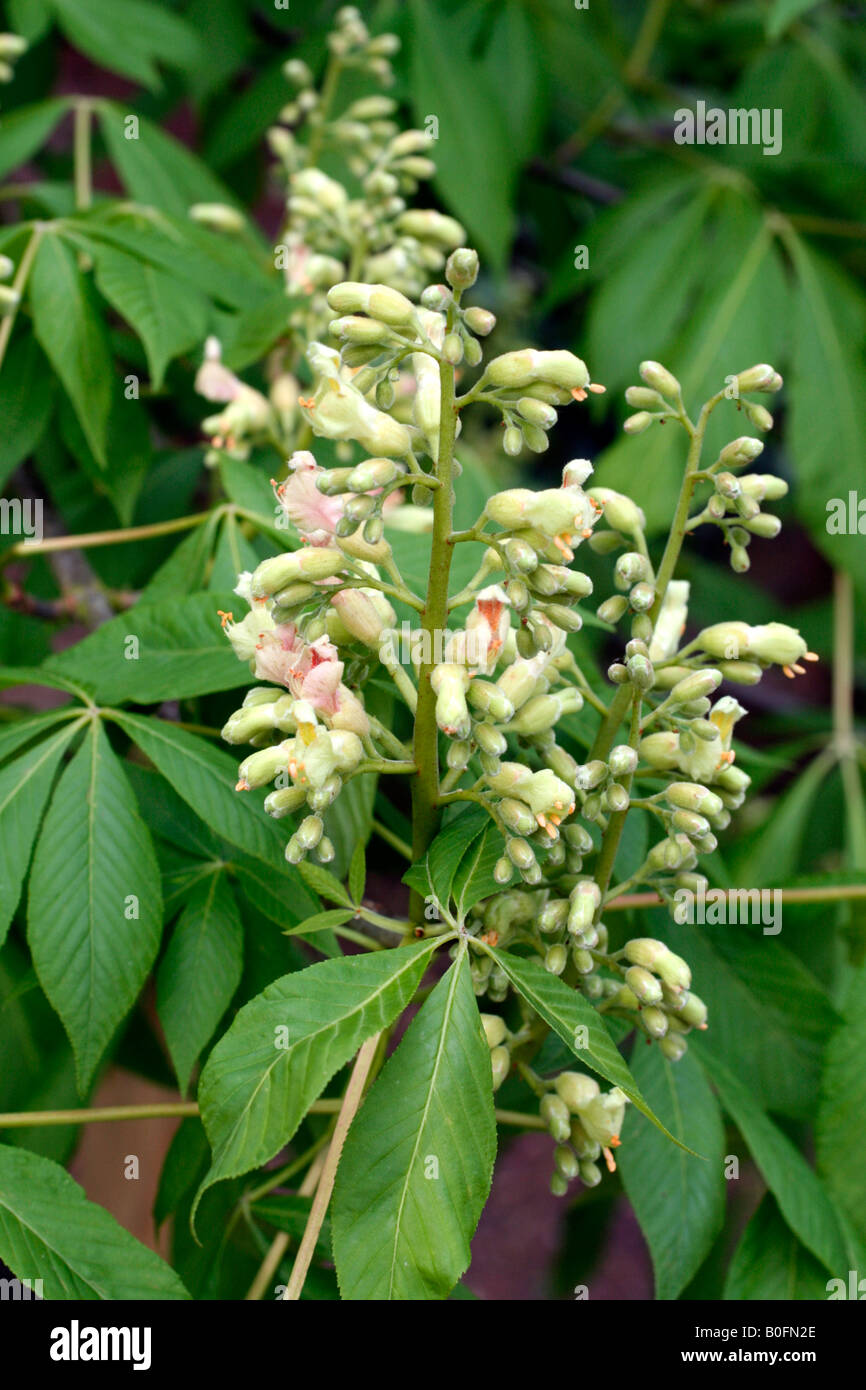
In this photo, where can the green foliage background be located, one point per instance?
(555, 132)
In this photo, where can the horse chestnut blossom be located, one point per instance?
(489, 697)
(493, 698)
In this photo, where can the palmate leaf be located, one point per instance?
(285, 1045)
(129, 36)
(205, 777)
(157, 169)
(70, 332)
(50, 1231)
(199, 972)
(170, 318)
(180, 649)
(459, 864)
(577, 1023)
(802, 1198)
(678, 1199)
(417, 1165)
(24, 787)
(94, 912)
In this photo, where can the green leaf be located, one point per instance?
(417, 1165)
(771, 1263)
(678, 1199)
(26, 130)
(321, 921)
(14, 736)
(840, 1134)
(50, 1231)
(179, 649)
(827, 397)
(285, 1045)
(156, 168)
(199, 972)
(95, 911)
(775, 854)
(67, 324)
(170, 318)
(205, 777)
(286, 903)
(37, 675)
(576, 1022)
(784, 12)
(24, 787)
(475, 158)
(357, 873)
(802, 1198)
(129, 36)
(290, 1213)
(324, 883)
(27, 390)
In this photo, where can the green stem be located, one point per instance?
(611, 838)
(393, 840)
(19, 284)
(425, 788)
(89, 539)
(82, 155)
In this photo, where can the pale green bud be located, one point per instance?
(479, 321)
(740, 451)
(495, 1030)
(673, 1046)
(622, 760)
(654, 1021)
(590, 775)
(660, 379)
(642, 398)
(262, 767)
(284, 801)
(630, 568)
(500, 1062)
(619, 511)
(643, 985)
(536, 412)
(636, 424)
(759, 378)
(567, 1165)
(696, 686)
(310, 562)
(642, 597)
(613, 608)
(555, 1114)
(461, 269)
(512, 441)
(556, 959)
(764, 524)
(640, 672)
(576, 1089)
(218, 216)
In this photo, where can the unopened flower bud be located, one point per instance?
(740, 451)
(556, 959)
(757, 378)
(218, 216)
(640, 672)
(555, 1114)
(660, 379)
(636, 424)
(673, 1046)
(642, 398)
(619, 511)
(613, 608)
(500, 1062)
(622, 760)
(643, 985)
(479, 321)
(461, 269)
(576, 1089)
